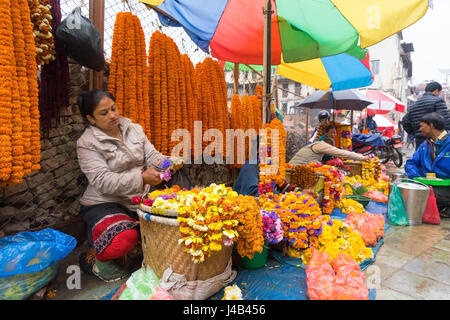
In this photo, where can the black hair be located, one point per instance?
(329, 127)
(329, 141)
(88, 101)
(433, 86)
(435, 119)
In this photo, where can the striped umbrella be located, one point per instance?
(232, 30)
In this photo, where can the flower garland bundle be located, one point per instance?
(333, 186)
(250, 229)
(371, 169)
(55, 80)
(257, 115)
(247, 120)
(217, 89)
(31, 123)
(18, 82)
(155, 88)
(208, 222)
(301, 218)
(350, 206)
(304, 176)
(41, 18)
(370, 183)
(191, 114)
(338, 237)
(142, 85)
(345, 138)
(6, 51)
(235, 123)
(116, 74)
(272, 227)
(205, 103)
(272, 156)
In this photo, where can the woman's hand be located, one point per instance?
(151, 176)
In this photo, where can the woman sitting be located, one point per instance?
(320, 150)
(118, 162)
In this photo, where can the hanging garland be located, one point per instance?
(41, 18)
(55, 80)
(6, 51)
(34, 149)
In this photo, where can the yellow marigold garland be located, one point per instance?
(154, 63)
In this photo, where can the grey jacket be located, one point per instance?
(315, 151)
(114, 169)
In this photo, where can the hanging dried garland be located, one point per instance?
(55, 80)
(41, 17)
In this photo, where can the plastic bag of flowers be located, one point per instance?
(319, 276)
(349, 283)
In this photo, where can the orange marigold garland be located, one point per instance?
(6, 51)
(33, 90)
(154, 63)
(116, 76)
(18, 77)
(250, 229)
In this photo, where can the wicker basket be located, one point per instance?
(355, 167)
(160, 248)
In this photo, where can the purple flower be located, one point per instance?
(166, 163)
(166, 176)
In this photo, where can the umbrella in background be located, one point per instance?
(339, 72)
(383, 122)
(339, 100)
(233, 30)
(384, 102)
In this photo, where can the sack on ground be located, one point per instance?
(181, 289)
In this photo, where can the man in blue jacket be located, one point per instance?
(429, 102)
(433, 156)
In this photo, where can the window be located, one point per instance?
(375, 66)
(298, 88)
(286, 87)
(284, 107)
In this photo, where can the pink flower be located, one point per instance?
(148, 202)
(136, 200)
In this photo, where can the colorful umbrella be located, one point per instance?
(384, 102)
(339, 72)
(232, 30)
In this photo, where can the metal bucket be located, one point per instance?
(415, 196)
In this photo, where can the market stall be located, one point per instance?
(209, 242)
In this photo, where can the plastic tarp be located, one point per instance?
(33, 251)
(274, 281)
(337, 215)
(368, 139)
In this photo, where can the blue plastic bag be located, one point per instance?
(29, 252)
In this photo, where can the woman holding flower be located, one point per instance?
(119, 162)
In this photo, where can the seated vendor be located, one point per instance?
(315, 152)
(433, 156)
(119, 163)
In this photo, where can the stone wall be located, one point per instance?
(51, 195)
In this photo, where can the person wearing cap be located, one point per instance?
(428, 103)
(368, 123)
(433, 156)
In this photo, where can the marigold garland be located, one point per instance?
(33, 154)
(6, 51)
(250, 229)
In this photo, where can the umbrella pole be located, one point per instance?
(307, 124)
(351, 121)
(236, 78)
(267, 97)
